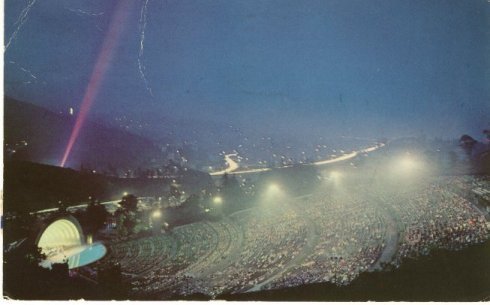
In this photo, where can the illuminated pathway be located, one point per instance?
(349, 156)
(233, 166)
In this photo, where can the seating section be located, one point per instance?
(329, 236)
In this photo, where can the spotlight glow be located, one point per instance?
(100, 68)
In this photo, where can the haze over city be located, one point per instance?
(369, 68)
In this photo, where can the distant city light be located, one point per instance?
(71, 111)
(125, 194)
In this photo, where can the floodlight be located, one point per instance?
(335, 175)
(407, 163)
(273, 187)
(217, 200)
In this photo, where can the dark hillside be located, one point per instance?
(30, 186)
(36, 134)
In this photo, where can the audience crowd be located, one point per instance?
(330, 236)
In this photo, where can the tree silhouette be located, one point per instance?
(112, 283)
(24, 278)
(232, 194)
(94, 217)
(467, 143)
(129, 202)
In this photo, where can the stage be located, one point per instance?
(77, 256)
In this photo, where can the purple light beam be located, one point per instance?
(102, 64)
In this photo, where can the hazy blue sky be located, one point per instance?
(364, 66)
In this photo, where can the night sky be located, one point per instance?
(362, 67)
